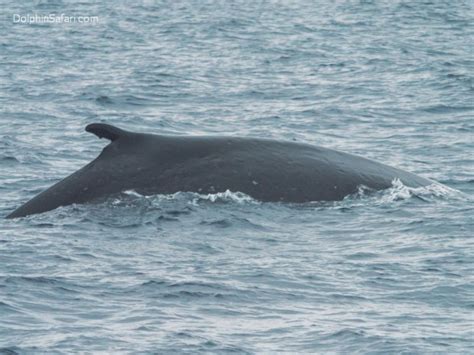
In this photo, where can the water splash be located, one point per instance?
(193, 198)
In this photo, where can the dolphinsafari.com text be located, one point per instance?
(54, 18)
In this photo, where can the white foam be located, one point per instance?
(194, 198)
(398, 191)
(226, 196)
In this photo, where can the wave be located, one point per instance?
(133, 206)
(195, 198)
(398, 191)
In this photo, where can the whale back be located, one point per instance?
(267, 170)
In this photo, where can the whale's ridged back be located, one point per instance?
(265, 169)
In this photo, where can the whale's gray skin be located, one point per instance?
(265, 169)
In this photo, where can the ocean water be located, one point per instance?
(385, 272)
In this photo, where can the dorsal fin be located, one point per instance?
(103, 130)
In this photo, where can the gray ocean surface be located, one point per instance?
(384, 272)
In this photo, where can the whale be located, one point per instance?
(265, 169)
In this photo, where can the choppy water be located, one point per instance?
(384, 272)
